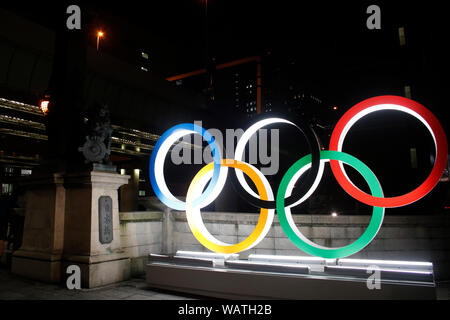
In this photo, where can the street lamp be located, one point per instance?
(99, 35)
(44, 104)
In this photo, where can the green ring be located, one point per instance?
(324, 252)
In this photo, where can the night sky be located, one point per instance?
(240, 28)
(328, 43)
(334, 55)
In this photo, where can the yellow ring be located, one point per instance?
(265, 216)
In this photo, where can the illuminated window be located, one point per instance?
(141, 193)
(144, 55)
(7, 188)
(25, 172)
(407, 92)
(9, 171)
(401, 35)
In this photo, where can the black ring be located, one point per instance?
(300, 191)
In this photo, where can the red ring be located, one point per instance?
(425, 187)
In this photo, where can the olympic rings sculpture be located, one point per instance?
(313, 164)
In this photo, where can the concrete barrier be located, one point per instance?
(416, 238)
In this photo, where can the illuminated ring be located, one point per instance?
(157, 167)
(302, 191)
(194, 216)
(390, 103)
(288, 224)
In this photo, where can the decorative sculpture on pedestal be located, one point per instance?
(96, 149)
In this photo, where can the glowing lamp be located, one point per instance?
(99, 35)
(43, 105)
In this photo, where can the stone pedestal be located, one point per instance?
(73, 220)
(92, 228)
(43, 238)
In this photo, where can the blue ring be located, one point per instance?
(180, 205)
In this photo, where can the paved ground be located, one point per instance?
(443, 291)
(13, 287)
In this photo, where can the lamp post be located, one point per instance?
(99, 35)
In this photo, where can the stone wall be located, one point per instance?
(418, 238)
(141, 234)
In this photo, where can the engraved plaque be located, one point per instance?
(105, 219)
